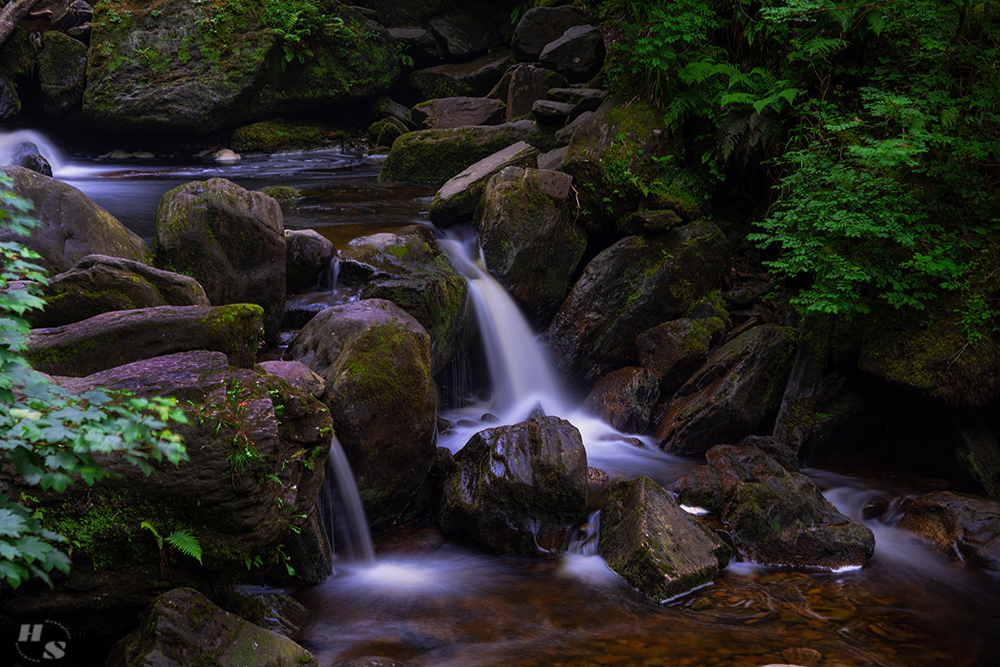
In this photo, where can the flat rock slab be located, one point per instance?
(448, 112)
(653, 544)
(457, 199)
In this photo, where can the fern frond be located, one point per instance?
(186, 543)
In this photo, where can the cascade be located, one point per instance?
(10, 142)
(354, 525)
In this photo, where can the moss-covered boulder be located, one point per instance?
(736, 393)
(279, 136)
(256, 451)
(628, 288)
(653, 544)
(674, 350)
(183, 627)
(376, 361)
(959, 525)
(72, 226)
(775, 517)
(198, 67)
(472, 79)
(519, 489)
(121, 337)
(410, 269)
(62, 72)
(625, 398)
(457, 199)
(307, 255)
(230, 239)
(526, 224)
(100, 284)
(434, 156)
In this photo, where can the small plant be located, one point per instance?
(181, 539)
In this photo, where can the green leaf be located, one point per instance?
(186, 543)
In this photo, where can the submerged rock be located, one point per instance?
(183, 627)
(376, 361)
(653, 544)
(72, 226)
(518, 489)
(231, 240)
(100, 284)
(776, 517)
(526, 224)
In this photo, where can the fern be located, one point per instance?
(185, 542)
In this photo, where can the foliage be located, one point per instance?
(49, 437)
(875, 121)
(181, 539)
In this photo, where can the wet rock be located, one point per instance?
(383, 132)
(235, 510)
(734, 394)
(649, 222)
(296, 374)
(465, 35)
(281, 193)
(540, 26)
(674, 350)
(776, 517)
(655, 545)
(369, 661)
(518, 489)
(624, 399)
(410, 270)
(100, 284)
(420, 45)
(143, 73)
(962, 526)
(280, 136)
(183, 627)
(472, 79)
(231, 240)
(122, 337)
(376, 360)
(277, 612)
(448, 112)
(307, 255)
(72, 226)
(385, 107)
(578, 54)
(547, 111)
(28, 156)
(582, 99)
(978, 456)
(62, 72)
(564, 135)
(457, 199)
(552, 160)
(434, 156)
(528, 236)
(630, 287)
(10, 102)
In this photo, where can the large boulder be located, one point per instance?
(625, 398)
(122, 337)
(448, 112)
(628, 288)
(674, 350)
(62, 72)
(410, 270)
(230, 239)
(541, 25)
(457, 199)
(734, 394)
(526, 224)
(101, 284)
(257, 453)
(578, 54)
(519, 489)
(775, 517)
(307, 255)
(71, 225)
(376, 361)
(523, 85)
(472, 79)
(434, 156)
(183, 627)
(961, 526)
(184, 67)
(653, 544)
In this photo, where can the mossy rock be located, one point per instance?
(277, 136)
(62, 72)
(383, 132)
(281, 192)
(18, 58)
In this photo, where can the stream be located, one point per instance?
(426, 601)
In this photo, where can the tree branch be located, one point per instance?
(12, 15)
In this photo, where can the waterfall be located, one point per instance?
(10, 142)
(351, 517)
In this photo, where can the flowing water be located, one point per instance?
(429, 602)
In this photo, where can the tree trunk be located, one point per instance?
(12, 15)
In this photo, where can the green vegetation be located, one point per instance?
(49, 437)
(181, 539)
(874, 122)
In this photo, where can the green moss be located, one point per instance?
(276, 136)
